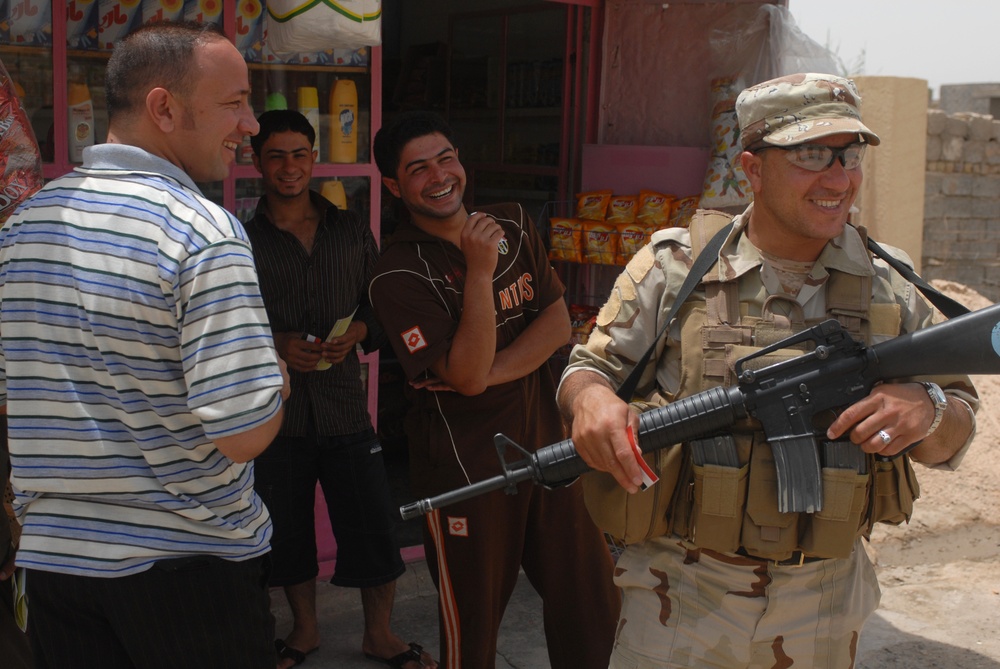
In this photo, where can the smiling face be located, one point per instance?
(795, 211)
(215, 116)
(285, 164)
(430, 179)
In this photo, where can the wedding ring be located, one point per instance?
(884, 436)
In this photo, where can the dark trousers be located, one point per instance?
(14, 649)
(204, 613)
(475, 551)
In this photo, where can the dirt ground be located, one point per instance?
(940, 574)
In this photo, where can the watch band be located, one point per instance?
(940, 401)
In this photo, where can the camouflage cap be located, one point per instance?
(799, 107)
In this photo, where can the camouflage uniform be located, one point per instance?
(684, 606)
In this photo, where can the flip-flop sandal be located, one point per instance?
(414, 654)
(286, 652)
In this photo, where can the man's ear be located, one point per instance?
(751, 165)
(392, 185)
(161, 107)
(256, 162)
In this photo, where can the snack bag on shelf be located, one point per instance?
(593, 205)
(600, 242)
(564, 239)
(622, 208)
(725, 183)
(20, 159)
(653, 209)
(631, 237)
(682, 210)
(582, 318)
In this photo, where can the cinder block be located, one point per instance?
(974, 152)
(936, 121)
(933, 148)
(951, 148)
(987, 186)
(980, 127)
(956, 126)
(956, 184)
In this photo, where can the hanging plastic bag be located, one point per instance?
(748, 50)
(20, 159)
(309, 26)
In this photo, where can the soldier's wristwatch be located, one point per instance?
(940, 401)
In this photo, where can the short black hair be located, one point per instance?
(407, 126)
(281, 120)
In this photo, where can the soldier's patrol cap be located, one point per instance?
(797, 108)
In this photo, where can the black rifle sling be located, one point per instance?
(945, 304)
(708, 257)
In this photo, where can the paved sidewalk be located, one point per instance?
(521, 644)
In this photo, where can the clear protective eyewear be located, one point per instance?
(818, 157)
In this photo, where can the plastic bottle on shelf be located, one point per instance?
(81, 120)
(343, 134)
(275, 100)
(333, 190)
(309, 107)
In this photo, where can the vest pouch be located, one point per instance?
(719, 495)
(832, 531)
(767, 532)
(629, 518)
(893, 491)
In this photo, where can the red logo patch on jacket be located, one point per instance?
(414, 339)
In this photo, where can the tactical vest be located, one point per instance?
(727, 508)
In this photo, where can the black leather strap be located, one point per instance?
(945, 304)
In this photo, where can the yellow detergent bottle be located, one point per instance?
(309, 107)
(81, 120)
(333, 190)
(343, 134)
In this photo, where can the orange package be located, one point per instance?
(631, 237)
(564, 239)
(593, 205)
(654, 209)
(622, 208)
(682, 211)
(600, 242)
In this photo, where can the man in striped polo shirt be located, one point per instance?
(140, 378)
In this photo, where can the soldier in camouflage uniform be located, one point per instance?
(749, 586)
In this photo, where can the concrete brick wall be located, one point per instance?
(961, 238)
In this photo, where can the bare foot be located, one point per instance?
(415, 656)
(290, 653)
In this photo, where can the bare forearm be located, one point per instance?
(467, 363)
(533, 347)
(246, 446)
(951, 435)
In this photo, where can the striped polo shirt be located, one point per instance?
(133, 334)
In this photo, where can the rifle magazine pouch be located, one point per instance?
(719, 495)
(630, 518)
(831, 531)
(767, 532)
(895, 488)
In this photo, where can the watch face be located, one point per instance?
(937, 395)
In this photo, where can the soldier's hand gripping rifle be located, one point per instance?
(784, 397)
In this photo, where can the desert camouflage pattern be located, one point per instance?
(644, 292)
(800, 107)
(686, 607)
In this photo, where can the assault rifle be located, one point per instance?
(785, 397)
